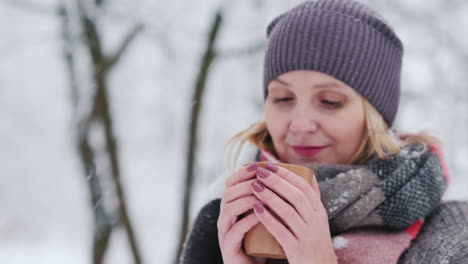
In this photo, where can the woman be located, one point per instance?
(331, 87)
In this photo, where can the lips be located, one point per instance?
(308, 151)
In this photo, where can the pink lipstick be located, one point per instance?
(308, 151)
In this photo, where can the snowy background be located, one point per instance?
(45, 214)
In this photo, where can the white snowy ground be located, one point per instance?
(45, 216)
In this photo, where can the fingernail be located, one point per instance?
(252, 167)
(262, 173)
(258, 207)
(257, 186)
(272, 167)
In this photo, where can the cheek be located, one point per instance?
(352, 131)
(347, 131)
(354, 136)
(276, 124)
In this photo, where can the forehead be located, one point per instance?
(308, 79)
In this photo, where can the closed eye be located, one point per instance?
(331, 103)
(283, 99)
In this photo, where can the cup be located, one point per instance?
(258, 241)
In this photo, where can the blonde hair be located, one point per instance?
(378, 141)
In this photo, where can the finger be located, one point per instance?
(284, 210)
(244, 173)
(237, 191)
(237, 232)
(303, 202)
(294, 179)
(230, 211)
(315, 185)
(278, 230)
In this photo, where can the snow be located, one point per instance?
(339, 242)
(46, 216)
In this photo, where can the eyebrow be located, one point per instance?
(320, 85)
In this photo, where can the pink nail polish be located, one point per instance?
(258, 207)
(262, 173)
(271, 167)
(252, 167)
(257, 186)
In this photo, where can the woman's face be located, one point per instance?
(314, 118)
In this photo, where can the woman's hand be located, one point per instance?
(305, 234)
(237, 199)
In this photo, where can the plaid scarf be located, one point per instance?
(376, 209)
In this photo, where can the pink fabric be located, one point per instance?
(371, 246)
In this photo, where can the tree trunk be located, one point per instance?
(101, 115)
(102, 221)
(208, 57)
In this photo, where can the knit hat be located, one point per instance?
(344, 39)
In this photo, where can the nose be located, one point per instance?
(303, 122)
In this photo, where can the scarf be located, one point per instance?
(375, 210)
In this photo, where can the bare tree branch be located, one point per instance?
(103, 114)
(93, 40)
(100, 114)
(102, 221)
(131, 35)
(207, 60)
(68, 53)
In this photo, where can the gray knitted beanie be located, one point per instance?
(344, 39)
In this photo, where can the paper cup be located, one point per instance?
(258, 241)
